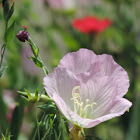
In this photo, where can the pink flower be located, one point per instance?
(88, 88)
(91, 24)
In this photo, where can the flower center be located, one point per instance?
(84, 111)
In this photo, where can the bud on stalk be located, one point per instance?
(23, 35)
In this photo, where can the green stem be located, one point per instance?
(4, 46)
(2, 54)
(37, 123)
(43, 65)
(42, 98)
(49, 129)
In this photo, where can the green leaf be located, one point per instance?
(17, 119)
(22, 93)
(37, 62)
(28, 93)
(48, 108)
(34, 48)
(3, 138)
(2, 70)
(3, 112)
(5, 9)
(36, 93)
(25, 100)
(11, 11)
(9, 33)
(7, 135)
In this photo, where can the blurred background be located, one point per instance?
(49, 24)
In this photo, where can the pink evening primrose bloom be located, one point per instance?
(88, 88)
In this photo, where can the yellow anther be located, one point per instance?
(87, 101)
(76, 88)
(94, 103)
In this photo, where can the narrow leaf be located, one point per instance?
(28, 93)
(37, 62)
(48, 108)
(5, 9)
(34, 48)
(22, 93)
(17, 119)
(9, 33)
(25, 99)
(11, 11)
(3, 112)
(37, 90)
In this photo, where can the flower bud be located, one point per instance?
(23, 35)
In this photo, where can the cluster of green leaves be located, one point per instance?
(7, 136)
(51, 124)
(36, 57)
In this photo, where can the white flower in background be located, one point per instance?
(62, 4)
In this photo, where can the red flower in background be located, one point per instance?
(91, 24)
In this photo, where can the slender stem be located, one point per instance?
(49, 129)
(43, 65)
(2, 54)
(44, 71)
(4, 46)
(37, 123)
(33, 138)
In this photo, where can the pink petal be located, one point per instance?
(110, 68)
(118, 108)
(61, 82)
(68, 113)
(102, 91)
(93, 71)
(78, 62)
